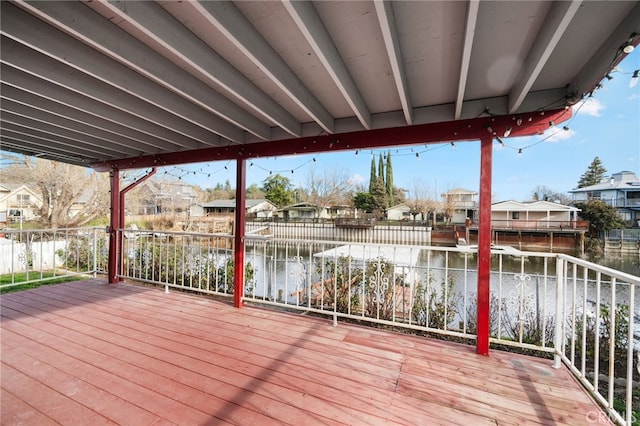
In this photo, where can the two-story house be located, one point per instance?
(621, 191)
(458, 204)
(18, 201)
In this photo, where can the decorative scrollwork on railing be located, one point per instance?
(522, 297)
(25, 257)
(379, 282)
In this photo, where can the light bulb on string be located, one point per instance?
(634, 79)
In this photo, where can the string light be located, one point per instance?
(634, 79)
(508, 132)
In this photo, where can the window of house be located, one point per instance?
(15, 212)
(515, 215)
(24, 198)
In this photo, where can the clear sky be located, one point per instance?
(606, 126)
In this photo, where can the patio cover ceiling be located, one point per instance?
(129, 84)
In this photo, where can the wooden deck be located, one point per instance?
(90, 353)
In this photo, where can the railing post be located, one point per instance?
(630, 339)
(114, 226)
(558, 338)
(95, 252)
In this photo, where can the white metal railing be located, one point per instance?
(28, 256)
(599, 339)
(190, 261)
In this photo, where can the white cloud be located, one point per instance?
(557, 134)
(356, 179)
(590, 106)
(634, 97)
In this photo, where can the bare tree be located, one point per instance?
(420, 200)
(329, 187)
(543, 193)
(71, 195)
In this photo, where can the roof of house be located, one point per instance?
(398, 206)
(299, 206)
(621, 181)
(12, 188)
(542, 206)
(231, 204)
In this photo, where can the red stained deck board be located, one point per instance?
(58, 407)
(231, 371)
(304, 350)
(106, 404)
(15, 411)
(181, 403)
(181, 358)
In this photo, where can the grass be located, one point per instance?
(47, 278)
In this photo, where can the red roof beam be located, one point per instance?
(451, 131)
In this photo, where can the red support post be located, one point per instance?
(484, 246)
(114, 226)
(238, 241)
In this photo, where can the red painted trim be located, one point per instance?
(112, 267)
(484, 246)
(238, 241)
(122, 209)
(462, 130)
(129, 188)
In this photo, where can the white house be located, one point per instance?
(254, 208)
(460, 204)
(18, 201)
(310, 211)
(303, 211)
(532, 215)
(399, 212)
(621, 190)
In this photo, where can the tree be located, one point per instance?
(254, 193)
(381, 170)
(278, 190)
(330, 187)
(379, 197)
(543, 193)
(389, 180)
(372, 178)
(601, 216)
(220, 192)
(71, 195)
(418, 200)
(594, 174)
(363, 201)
